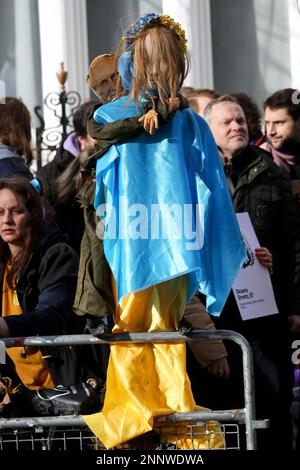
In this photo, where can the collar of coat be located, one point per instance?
(258, 165)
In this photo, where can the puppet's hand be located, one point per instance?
(150, 121)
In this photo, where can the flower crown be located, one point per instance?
(152, 18)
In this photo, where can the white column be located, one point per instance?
(27, 53)
(63, 32)
(76, 45)
(52, 42)
(52, 50)
(194, 17)
(2, 92)
(294, 21)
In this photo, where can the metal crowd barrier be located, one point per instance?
(16, 430)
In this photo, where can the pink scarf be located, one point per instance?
(283, 160)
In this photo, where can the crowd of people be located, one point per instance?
(147, 140)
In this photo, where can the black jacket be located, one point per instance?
(266, 195)
(46, 290)
(260, 189)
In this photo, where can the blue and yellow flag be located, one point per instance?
(166, 208)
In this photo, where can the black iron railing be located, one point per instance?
(63, 104)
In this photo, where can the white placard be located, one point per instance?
(252, 288)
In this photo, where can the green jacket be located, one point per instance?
(93, 294)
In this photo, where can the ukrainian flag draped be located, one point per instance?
(172, 184)
(170, 229)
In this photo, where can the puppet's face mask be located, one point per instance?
(102, 77)
(154, 68)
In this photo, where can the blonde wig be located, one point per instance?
(169, 60)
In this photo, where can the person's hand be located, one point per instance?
(92, 382)
(294, 324)
(219, 368)
(264, 257)
(150, 121)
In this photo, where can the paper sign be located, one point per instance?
(252, 288)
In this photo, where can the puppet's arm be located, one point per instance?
(124, 130)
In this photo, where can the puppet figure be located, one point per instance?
(169, 231)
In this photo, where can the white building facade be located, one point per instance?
(249, 46)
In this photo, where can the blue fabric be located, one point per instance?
(125, 69)
(37, 185)
(178, 165)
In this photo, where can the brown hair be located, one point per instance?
(252, 114)
(27, 196)
(209, 92)
(15, 127)
(166, 48)
(186, 91)
(198, 93)
(81, 117)
(284, 99)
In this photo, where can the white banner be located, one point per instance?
(252, 288)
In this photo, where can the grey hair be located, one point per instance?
(220, 99)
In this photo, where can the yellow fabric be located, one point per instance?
(148, 379)
(190, 436)
(31, 370)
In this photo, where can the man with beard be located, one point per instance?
(282, 121)
(259, 188)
